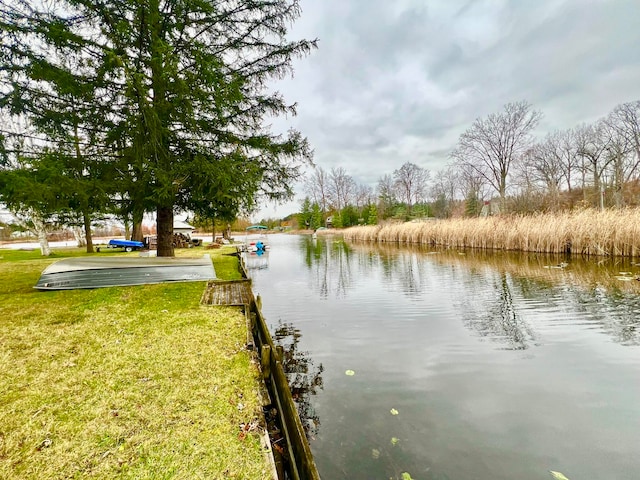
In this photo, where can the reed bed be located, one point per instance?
(585, 232)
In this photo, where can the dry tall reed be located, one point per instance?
(584, 232)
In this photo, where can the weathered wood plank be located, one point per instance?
(236, 292)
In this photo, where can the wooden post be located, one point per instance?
(265, 361)
(251, 322)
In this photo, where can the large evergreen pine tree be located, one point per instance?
(185, 83)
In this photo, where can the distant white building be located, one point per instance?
(180, 226)
(5, 215)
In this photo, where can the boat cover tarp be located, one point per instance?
(82, 272)
(125, 243)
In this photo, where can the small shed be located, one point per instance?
(182, 227)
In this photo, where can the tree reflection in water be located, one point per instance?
(519, 284)
(501, 320)
(304, 377)
(330, 261)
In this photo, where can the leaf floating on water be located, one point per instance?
(394, 411)
(558, 475)
(406, 476)
(351, 373)
(375, 453)
(559, 266)
(394, 440)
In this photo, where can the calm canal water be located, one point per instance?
(463, 367)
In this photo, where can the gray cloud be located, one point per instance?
(399, 81)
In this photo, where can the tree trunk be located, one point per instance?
(86, 218)
(213, 230)
(503, 193)
(41, 232)
(78, 236)
(158, 138)
(136, 233)
(165, 231)
(597, 187)
(584, 182)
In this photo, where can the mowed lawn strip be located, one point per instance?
(128, 382)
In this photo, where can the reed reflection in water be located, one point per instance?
(498, 367)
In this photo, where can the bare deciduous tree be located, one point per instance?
(317, 187)
(626, 117)
(386, 189)
(621, 161)
(624, 126)
(563, 146)
(446, 182)
(364, 195)
(471, 183)
(443, 190)
(410, 182)
(593, 143)
(386, 195)
(550, 162)
(492, 144)
(341, 188)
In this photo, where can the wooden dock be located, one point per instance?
(232, 292)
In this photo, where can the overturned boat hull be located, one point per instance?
(98, 272)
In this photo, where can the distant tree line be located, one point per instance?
(589, 165)
(497, 161)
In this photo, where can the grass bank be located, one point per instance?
(130, 382)
(583, 232)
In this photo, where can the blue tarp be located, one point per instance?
(125, 243)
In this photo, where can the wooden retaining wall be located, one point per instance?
(291, 452)
(301, 464)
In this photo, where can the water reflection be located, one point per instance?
(500, 366)
(518, 283)
(497, 317)
(256, 260)
(305, 379)
(329, 259)
(406, 271)
(594, 288)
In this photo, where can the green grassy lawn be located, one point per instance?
(129, 382)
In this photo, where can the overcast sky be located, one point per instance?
(397, 81)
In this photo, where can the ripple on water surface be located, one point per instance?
(493, 373)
